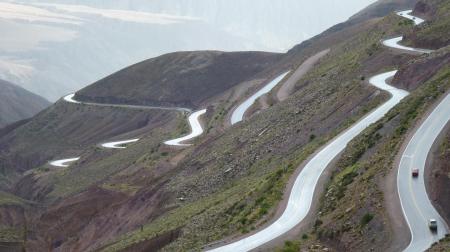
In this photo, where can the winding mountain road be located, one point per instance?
(238, 113)
(193, 119)
(301, 196)
(196, 130)
(119, 144)
(70, 98)
(288, 86)
(63, 162)
(416, 205)
(407, 14)
(195, 125)
(394, 43)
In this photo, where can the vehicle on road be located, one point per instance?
(415, 173)
(432, 224)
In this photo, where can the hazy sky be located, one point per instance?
(55, 47)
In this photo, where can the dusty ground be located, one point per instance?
(438, 174)
(288, 86)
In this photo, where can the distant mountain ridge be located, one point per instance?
(17, 103)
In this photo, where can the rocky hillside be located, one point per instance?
(359, 196)
(178, 79)
(152, 197)
(435, 35)
(17, 103)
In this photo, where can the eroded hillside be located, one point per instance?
(232, 181)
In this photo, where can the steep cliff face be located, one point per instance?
(17, 103)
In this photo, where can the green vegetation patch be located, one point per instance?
(366, 219)
(10, 199)
(10, 234)
(290, 246)
(121, 187)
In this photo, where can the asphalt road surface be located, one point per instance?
(394, 43)
(194, 123)
(301, 196)
(238, 113)
(196, 130)
(119, 144)
(416, 205)
(64, 162)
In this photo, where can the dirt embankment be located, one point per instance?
(438, 179)
(95, 217)
(288, 86)
(434, 33)
(442, 246)
(412, 75)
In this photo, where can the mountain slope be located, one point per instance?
(150, 196)
(17, 103)
(223, 176)
(361, 194)
(179, 79)
(435, 35)
(187, 79)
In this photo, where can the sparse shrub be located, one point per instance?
(319, 233)
(264, 209)
(290, 246)
(244, 230)
(318, 223)
(348, 178)
(366, 219)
